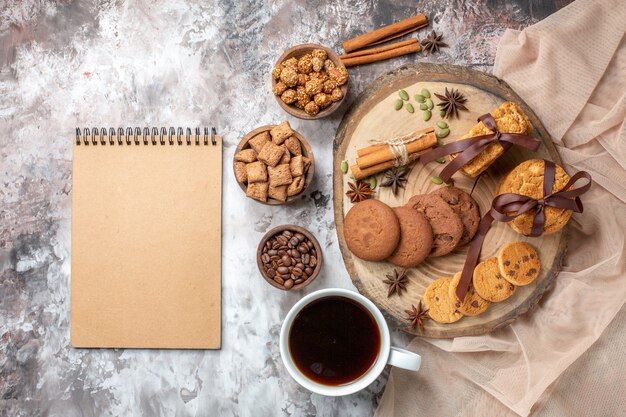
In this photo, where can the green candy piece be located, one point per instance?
(372, 181)
(425, 93)
(419, 98)
(409, 108)
(441, 160)
(398, 104)
(344, 167)
(423, 106)
(442, 113)
(443, 133)
(439, 142)
(436, 180)
(442, 125)
(430, 104)
(403, 95)
(427, 115)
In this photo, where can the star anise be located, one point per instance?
(395, 178)
(359, 191)
(433, 42)
(451, 102)
(417, 315)
(396, 282)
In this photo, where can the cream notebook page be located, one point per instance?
(146, 244)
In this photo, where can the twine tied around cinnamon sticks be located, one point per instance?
(505, 207)
(471, 147)
(385, 154)
(398, 146)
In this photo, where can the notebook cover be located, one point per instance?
(146, 246)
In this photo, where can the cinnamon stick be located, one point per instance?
(369, 149)
(385, 154)
(371, 51)
(385, 33)
(392, 53)
(359, 173)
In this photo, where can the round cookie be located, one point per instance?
(519, 263)
(446, 224)
(473, 304)
(437, 300)
(489, 283)
(371, 230)
(527, 179)
(464, 205)
(416, 238)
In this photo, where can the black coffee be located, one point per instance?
(334, 340)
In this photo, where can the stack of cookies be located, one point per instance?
(272, 166)
(432, 224)
(509, 118)
(527, 179)
(494, 280)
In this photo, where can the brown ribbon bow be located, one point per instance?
(506, 207)
(471, 147)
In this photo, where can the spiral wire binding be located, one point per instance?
(137, 136)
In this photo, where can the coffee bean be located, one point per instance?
(288, 258)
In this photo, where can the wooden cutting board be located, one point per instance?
(373, 116)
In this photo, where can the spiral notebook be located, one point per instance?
(146, 238)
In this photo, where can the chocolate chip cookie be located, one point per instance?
(440, 307)
(416, 238)
(371, 230)
(473, 304)
(465, 206)
(446, 224)
(519, 263)
(489, 283)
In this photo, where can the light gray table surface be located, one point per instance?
(142, 63)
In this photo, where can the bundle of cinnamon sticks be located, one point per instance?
(356, 54)
(377, 158)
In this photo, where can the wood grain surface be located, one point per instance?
(372, 117)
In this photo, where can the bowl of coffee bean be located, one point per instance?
(289, 257)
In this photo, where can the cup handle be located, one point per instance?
(404, 359)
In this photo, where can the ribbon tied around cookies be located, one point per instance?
(472, 147)
(505, 207)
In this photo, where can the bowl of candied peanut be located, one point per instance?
(309, 81)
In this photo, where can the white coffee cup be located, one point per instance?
(387, 354)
